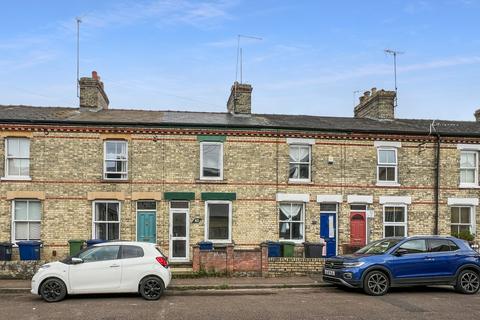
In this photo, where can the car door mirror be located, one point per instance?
(400, 252)
(77, 260)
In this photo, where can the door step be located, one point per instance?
(181, 268)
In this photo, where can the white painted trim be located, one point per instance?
(332, 198)
(395, 199)
(300, 141)
(299, 197)
(105, 161)
(394, 144)
(462, 201)
(13, 220)
(396, 224)
(202, 143)
(187, 234)
(119, 217)
(229, 240)
(353, 198)
(475, 147)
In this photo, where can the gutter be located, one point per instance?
(437, 184)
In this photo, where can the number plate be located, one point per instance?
(329, 272)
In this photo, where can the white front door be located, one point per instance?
(179, 232)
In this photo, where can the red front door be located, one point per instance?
(357, 229)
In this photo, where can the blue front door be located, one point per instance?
(146, 226)
(328, 232)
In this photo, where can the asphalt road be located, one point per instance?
(318, 303)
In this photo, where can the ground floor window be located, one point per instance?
(461, 220)
(106, 220)
(219, 221)
(291, 221)
(394, 221)
(26, 220)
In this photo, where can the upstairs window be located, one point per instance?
(469, 168)
(116, 160)
(300, 163)
(387, 165)
(211, 160)
(17, 158)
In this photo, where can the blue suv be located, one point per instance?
(394, 262)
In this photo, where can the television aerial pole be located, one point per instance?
(240, 55)
(394, 53)
(79, 20)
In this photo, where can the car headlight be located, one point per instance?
(353, 264)
(45, 266)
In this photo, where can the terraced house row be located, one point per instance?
(177, 178)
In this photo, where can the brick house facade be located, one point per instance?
(177, 178)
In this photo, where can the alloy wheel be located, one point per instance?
(470, 282)
(152, 288)
(377, 283)
(52, 290)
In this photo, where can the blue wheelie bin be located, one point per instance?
(91, 242)
(274, 249)
(29, 250)
(205, 245)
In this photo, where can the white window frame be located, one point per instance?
(309, 179)
(396, 224)
(207, 221)
(187, 230)
(304, 213)
(8, 176)
(388, 165)
(472, 223)
(201, 160)
(13, 235)
(105, 161)
(468, 184)
(94, 222)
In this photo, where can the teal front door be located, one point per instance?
(146, 226)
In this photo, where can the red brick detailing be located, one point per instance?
(196, 258)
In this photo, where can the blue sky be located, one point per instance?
(181, 55)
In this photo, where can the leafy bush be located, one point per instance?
(464, 235)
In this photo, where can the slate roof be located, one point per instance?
(145, 118)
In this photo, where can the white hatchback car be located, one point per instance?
(106, 268)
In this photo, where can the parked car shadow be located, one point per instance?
(401, 290)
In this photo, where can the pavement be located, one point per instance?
(435, 303)
(206, 285)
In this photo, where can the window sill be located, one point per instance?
(16, 178)
(469, 186)
(212, 181)
(290, 181)
(387, 184)
(297, 242)
(115, 181)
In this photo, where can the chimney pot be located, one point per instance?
(374, 90)
(366, 93)
(477, 115)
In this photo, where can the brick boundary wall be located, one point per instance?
(294, 266)
(231, 261)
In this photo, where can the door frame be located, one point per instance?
(171, 211)
(154, 211)
(336, 224)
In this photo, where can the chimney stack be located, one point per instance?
(376, 104)
(240, 100)
(92, 93)
(477, 115)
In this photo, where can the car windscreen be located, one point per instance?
(378, 247)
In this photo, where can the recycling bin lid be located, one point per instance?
(76, 240)
(29, 243)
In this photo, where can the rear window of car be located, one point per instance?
(442, 245)
(131, 252)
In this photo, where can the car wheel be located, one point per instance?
(468, 282)
(53, 290)
(376, 283)
(151, 288)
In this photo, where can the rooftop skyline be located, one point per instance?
(181, 55)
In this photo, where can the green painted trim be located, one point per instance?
(216, 138)
(179, 196)
(219, 196)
